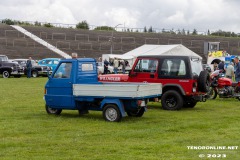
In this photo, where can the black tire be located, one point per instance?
(204, 81)
(34, 74)
(6, 74)
(138, 113)
(190, 104)
(172, 100)
(112, 113)
(212, 93)
(53, 111)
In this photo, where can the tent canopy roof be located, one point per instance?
(177, 50)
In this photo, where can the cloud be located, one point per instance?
(177, 14)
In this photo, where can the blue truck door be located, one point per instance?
(59, 87)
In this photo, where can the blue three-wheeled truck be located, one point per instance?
(74, 85)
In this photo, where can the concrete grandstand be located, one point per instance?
(90, 43)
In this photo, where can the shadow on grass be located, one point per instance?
(91, 116)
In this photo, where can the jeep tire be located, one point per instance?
(172, 100)
(203, 81)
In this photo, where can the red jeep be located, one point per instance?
(184, 81)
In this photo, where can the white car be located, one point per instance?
(101, 68)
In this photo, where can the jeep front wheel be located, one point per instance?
(172, 100)
(6, 74)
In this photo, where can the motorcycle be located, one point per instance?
(222, 86)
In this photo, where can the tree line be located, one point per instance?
(84, 25)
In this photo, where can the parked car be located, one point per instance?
(9, 67)
(37, 70)
(49, 62)
(101, 68)
(207, 67)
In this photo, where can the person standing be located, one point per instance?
(123, 66)
(74, 55)
(115, 65)
(29, 67)
(230, 71)
(237, 72)
(106, 63)
(221, 66)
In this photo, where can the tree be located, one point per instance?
(145, 29)
(208, 32)
(48, 25)
(194, 32)
(179, 32)
(8, 21)
(183, 32)
(172, 31)
(82, 25)
(37, 23)
(104, 28)
(150, 29)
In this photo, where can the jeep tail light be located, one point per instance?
(45, 91)
(194, 89)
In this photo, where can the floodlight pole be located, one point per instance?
(111, 50)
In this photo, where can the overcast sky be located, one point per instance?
(169, 14)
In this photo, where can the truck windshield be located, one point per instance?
(63, 71)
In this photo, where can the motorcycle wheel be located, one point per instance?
(212, 93)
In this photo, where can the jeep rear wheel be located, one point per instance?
(6, 74)
(172, 100)
(203, 81)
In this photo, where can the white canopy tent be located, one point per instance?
(147, 49)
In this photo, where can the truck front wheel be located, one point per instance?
(53, 111)
(172, 100)
(112, 113)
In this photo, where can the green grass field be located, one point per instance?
(28, 132)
